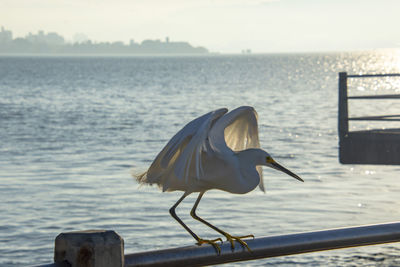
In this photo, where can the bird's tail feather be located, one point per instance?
(144, 178)
(141, 178)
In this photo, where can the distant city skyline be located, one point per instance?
(6, 34)
(227, 26)
(53, 43)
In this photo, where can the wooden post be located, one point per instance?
(92, 248)
(343, 106)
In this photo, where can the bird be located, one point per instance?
(218, 150)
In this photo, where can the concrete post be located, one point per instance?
(91, 248)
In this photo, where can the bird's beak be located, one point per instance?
(279, 167)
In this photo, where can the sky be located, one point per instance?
(226, 26)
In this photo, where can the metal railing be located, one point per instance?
(264, 247)
(343, 101)
(267, 247)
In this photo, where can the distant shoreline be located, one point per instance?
(159, 48)
(105, 55)
(207, 54)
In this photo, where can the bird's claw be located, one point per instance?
(232, 240)
(212, 242)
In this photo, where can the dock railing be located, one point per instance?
(366, 147)
(343, 100)
(80, 248)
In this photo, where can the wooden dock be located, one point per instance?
(378, 146)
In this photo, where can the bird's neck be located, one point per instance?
(252, 157)
(247, 161)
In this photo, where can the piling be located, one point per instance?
(91, 248)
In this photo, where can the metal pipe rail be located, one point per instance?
(267, 247)
(392, 96)
(377, 118)
(373, 75)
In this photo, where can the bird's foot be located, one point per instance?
(212, 242)
(232, 240)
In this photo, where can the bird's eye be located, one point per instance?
(269, 159)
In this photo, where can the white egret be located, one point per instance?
(218, 150)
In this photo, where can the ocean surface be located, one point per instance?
(73, 128)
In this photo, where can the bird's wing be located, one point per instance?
(185, 148)
(237, 130)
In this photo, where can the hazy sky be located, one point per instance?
(220, 25)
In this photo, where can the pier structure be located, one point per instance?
(376, 146)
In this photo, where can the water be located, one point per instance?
(73, 128)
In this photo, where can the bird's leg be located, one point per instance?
(199, 240)
(229, 237)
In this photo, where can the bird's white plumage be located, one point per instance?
(218, 150)
(202, 155)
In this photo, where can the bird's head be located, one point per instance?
(270, 162)
(257, 157)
